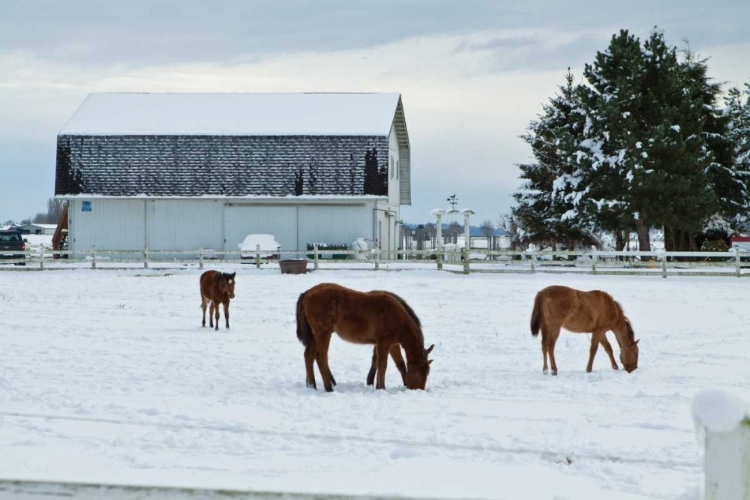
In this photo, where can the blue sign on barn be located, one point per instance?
(85, 206)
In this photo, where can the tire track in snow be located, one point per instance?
(551, 456)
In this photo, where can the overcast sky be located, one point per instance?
(471, 73)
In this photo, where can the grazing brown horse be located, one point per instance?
(597, 312)
(377, 318)
(216, 288)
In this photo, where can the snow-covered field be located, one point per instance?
(107, 376)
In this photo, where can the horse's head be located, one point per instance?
(629, 356)
(225, 283)
(418, 370)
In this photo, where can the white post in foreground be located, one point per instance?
(726, 427)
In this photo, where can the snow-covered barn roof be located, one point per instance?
(241, 114)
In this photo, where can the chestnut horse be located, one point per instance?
(597, 312)
(377, 318)
(216, 288)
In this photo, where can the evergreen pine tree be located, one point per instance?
(737, 114)
(544, 208)
(610, 104)
(645, 156)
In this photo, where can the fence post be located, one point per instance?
(664, 265)
(377, 258)
(41, 258)
(145, 256)
(466, 260)
(439, 241)
(257, 256)
(200, 258)
(594, 258)
(315, 257)
(738, 261)
(93, 257)
(533, 261)
(27, 254)
(726, 462)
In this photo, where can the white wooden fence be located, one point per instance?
(735, 262)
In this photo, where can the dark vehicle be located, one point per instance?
(12, 241)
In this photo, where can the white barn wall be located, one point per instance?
(386, 229)
(334, 224)
(188, 224)
(184, 224)
(112, 224)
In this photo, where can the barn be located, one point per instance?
(176, 171)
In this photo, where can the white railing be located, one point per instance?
(731, 263)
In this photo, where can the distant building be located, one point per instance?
(34, 228)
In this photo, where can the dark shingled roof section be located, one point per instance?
(222, 165)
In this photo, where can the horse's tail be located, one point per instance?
(536, 315)
(304, 332)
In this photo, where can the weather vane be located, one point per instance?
(453, 200)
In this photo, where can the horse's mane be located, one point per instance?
(631, 333)
(409, 311)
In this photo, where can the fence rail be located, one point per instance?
(735, 262)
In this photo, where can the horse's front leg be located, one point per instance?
(608, 349)
(595, 339)
(217, 316)
(211, 314)
(373, 367)
(399, 361)
(382, 352)
(226, 312)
